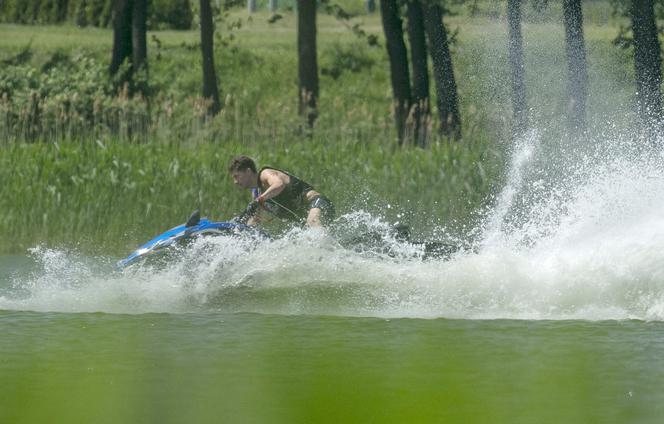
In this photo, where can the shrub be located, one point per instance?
(338, 59)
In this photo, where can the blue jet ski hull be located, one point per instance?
(181, 233)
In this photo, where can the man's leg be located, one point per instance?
(313, 219)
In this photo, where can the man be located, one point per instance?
(280, 193)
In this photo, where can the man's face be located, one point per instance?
(245, 178)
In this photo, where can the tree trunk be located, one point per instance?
(130, 42)
(396, 50)
(647, 63)
(516, 61)
(139, 18)
(419, 112)
(122, 40)
(307, 61)
(61, 11)
(576, 64)
(210, 89)
(447, 99)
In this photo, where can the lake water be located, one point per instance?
(242, 367)
(360, 340)
(555, 315)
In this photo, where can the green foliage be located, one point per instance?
(176, 14)
(342, 15)
(20, 58)
(226, 26)
(338, 59)
(67, 95)
(625, 39)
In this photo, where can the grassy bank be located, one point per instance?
(111, 196)
(103, 171)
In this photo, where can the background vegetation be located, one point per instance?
(175, 14)
(86, 165)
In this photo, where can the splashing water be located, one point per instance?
(521, 158)
(580, 236)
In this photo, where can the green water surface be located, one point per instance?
(217, 367)
(221, 367)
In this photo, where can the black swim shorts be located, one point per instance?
(325, 206)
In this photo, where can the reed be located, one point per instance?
(107, 194)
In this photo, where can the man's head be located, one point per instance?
(243, 171)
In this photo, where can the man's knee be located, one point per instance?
(314, 217)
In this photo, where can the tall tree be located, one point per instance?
(447, 99)
(398, 55)
(515, 47)
(577, 74)
(307, 60)
(647, 63)
(129, 40)
(210, 89)
(121, 35)
(139, 19)
(419, 112)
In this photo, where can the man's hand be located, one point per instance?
(249, 212)
(261, 201)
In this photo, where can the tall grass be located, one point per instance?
(111, 195)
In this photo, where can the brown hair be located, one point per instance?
(240, 163)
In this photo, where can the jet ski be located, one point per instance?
(371, 243)
(195, 226)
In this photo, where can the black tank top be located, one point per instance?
(291, 203)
